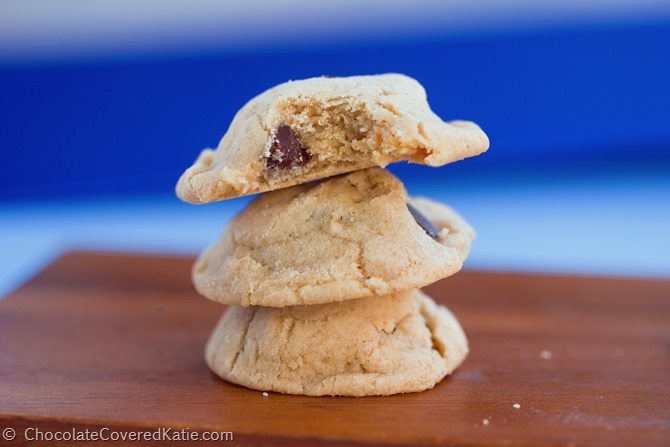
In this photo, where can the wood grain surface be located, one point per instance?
(101, 340)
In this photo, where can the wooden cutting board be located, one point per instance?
(109, 340)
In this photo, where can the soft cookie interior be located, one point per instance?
(335, 131)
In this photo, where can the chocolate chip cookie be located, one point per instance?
(397, 343)
(351, 236)
(304, 130)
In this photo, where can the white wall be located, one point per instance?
(42, 29)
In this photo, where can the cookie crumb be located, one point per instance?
(545, 354)
(516, 406)
(485, 421)
(265, 394)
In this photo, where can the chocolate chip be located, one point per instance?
(423, 222)
(286, 151)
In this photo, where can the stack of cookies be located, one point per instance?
(322, 272)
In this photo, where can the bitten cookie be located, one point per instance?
(393, 344)
(346, 237)
(304, 130)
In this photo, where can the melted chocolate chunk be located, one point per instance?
(423, 222)
(286, 151)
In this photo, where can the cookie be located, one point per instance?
(398, 343)
(315, 128)
(346, 237)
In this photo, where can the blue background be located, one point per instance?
(578, 117)
(579, 98)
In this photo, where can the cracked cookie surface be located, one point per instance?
(398, 343)
(346, 237)
(315, 128)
